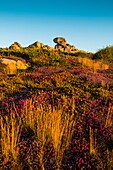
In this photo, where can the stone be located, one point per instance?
(60, 41)
(73, 48)
(36, 45)
(11, 66)
(59, 47)
(67, 49)
(63, 46)
(83, 51)
(47, 47)
(21, 65)
(42, 45)
(16, 46)
(15, 58)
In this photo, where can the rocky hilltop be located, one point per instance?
(61, 45)
(13, 63)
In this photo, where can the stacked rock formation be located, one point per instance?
(16, 46)
(63, 46)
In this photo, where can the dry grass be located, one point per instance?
(93, 140)
(109, 120)
(49, 124)
(95, 65)
(9, 136)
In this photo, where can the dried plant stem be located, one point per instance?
(92, 141)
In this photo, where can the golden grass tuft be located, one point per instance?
(50, 124)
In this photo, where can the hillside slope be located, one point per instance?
(56, 114)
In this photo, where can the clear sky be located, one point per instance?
(87, 24)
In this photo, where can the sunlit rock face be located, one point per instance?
(11, 66)
(21, 65)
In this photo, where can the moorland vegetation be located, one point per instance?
(58, 113)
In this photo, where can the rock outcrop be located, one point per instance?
(16, 46)
(11, 66)
(39, 45)
(36, 45)
(63, 46)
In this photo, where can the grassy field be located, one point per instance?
(58, 114)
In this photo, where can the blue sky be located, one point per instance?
(86, 24)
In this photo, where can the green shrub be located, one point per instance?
(105, 54)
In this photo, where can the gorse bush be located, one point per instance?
(105, 54)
